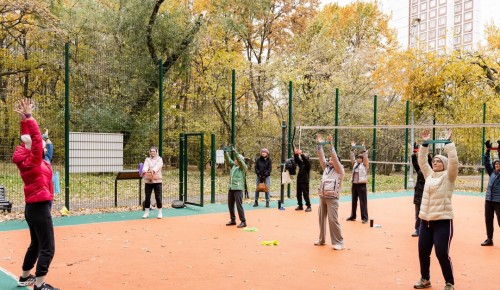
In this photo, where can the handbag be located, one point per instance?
(148, 175)
(285, 177)
(261, 187)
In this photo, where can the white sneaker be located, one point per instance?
(338, 247)
(146, 214)
(160, 213)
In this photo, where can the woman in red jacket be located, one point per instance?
(36, 174)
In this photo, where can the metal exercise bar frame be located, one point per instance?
(444, 126)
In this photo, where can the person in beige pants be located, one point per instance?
(329, 192)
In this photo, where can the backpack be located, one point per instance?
(291, 166)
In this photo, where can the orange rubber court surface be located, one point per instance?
(199, 252)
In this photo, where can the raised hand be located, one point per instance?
(449, 132)
(353, 143)
(330, 138)
(426, 135)
(488, 144)
(319, 139)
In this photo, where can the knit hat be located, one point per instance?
(444, 160)
(264, 150)
(27, 141)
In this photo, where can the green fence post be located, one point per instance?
(336, 117)
(290, 112)
(160, 108)
(406, 142)
(213, 164)
(233, 106)
(374, 149)
(202, 168)
(66, 125)
(181, 166)
(482, 146)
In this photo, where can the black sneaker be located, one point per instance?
(45, 286)
(308, 209)
(28, 281)
(350, 219)
(488, 242)
(364, 221)
(242, 225)
(299, 208)
(231, 223)
(415, 233)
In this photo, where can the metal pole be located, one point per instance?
(290, 113)
(336, 117)
(66, 125)
(412, 141)
(482, 150)
(283, 144)
(233, 105)
(406, 144)
(160, 108)
(202, 168)
(181, 163)
(374, 149)
(212, 169)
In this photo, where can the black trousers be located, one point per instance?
(303, 190)
(236, 196)
(438, 234)
(148, 189)
(490, 208)
(358, 190)
(42, 246)
(417, 219)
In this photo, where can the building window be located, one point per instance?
(414, 10)
(442, 21)
(415, 1)
(432, 34)
(458, 1)
(432, 45)
(432, 24)
(458, 19)
(423, 26)
(442, 32)
(468, 47)
(423, 16)
(458, 8)
(457, 40)
(442, 2)
(468, 38)
(442, 10)
(468, 16)
(468, 5)
(457, 30)
(468, 27)
(423, 6)
(432, 3)
(441, 42)
(432, 14)
(423, 36)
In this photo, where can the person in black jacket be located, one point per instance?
(419, 187)
(263, 167)
(492, 202)
(302, 160)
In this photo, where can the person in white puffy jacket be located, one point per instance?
(436, 211)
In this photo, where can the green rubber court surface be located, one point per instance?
(192, 248)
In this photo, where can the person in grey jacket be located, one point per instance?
(329, 193)
(492, 200)
(236, 187)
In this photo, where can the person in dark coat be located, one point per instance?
(263, 167)
(492, 198)
(419, 187)
(302, 161)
